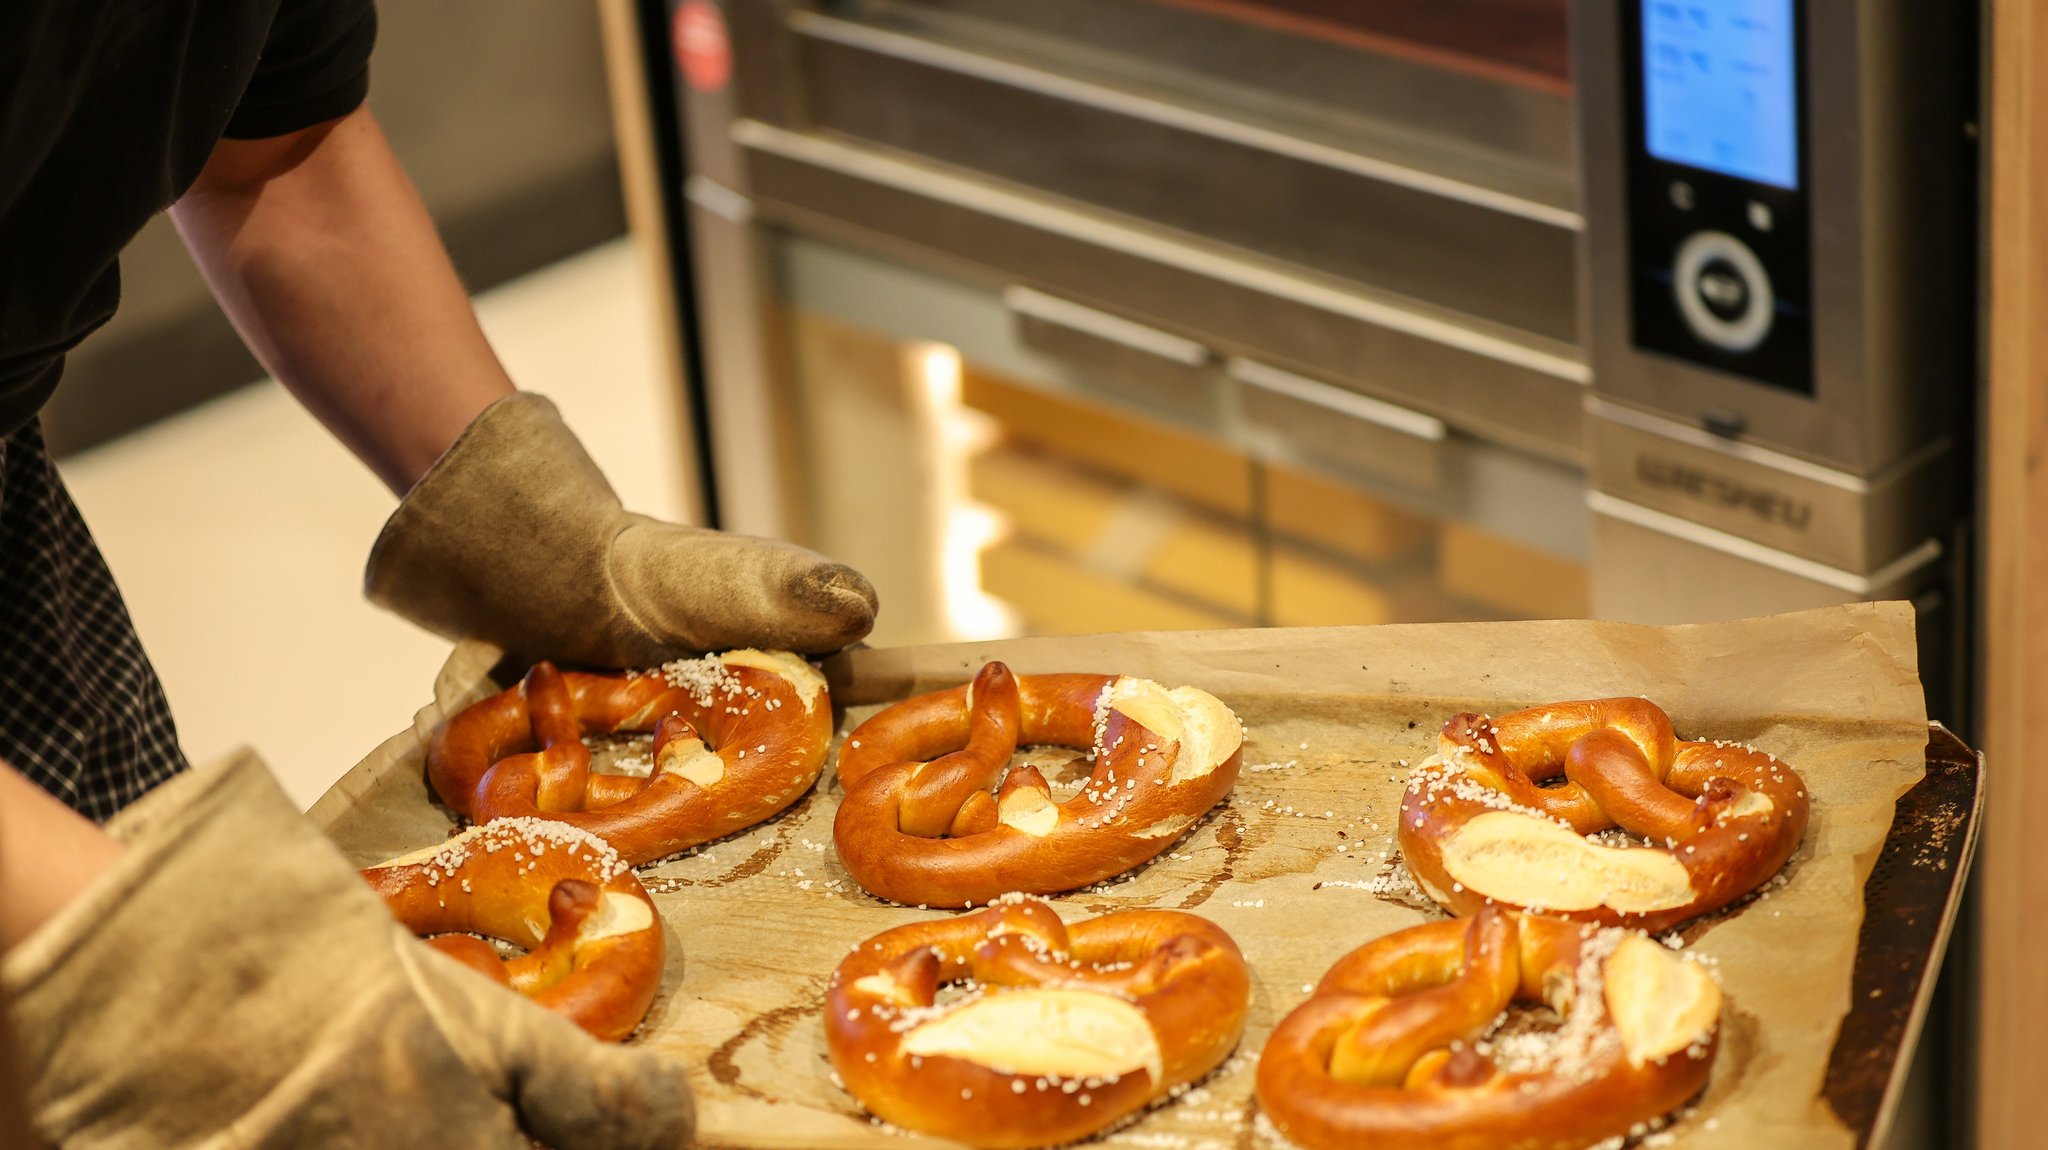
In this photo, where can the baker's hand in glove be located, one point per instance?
(515, 537)
(228, 980)
(320, 250)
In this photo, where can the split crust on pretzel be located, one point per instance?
(1479, 829)
(738, 737)
(1063, 1030)
(918, 824)
(1392, 1051)
(594, 943)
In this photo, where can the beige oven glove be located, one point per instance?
(514, 536)
(233, 983)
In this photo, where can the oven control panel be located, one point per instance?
(1719, 230)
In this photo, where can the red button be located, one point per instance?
(702, 46)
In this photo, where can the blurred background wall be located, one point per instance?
(499, 112)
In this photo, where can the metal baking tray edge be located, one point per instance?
(1910, 902)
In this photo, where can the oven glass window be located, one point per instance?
(1418, 150)
(992, 482)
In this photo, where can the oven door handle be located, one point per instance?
(1102, 325)
(1330, 397)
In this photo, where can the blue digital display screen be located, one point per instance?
(1719, 87)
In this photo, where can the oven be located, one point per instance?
(1087, 315)
(1042, 308)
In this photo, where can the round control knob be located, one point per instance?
(1723, 291)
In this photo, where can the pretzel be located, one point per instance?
(1398, 1046)
(738, 737)
(919, 826)
(594, 943)
(1479, 829)
(1062, 1030)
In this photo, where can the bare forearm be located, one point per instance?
(49, 853)
(320, 251)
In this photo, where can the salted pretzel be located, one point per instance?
(737, 737)
(1061, 1029)
(919, 825)
(1401, 1044)
(1480, 828)
(594, 943)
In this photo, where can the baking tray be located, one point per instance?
(1910, 896)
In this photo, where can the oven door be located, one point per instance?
(1125, 314)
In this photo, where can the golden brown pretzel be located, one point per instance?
(918, 824)
(1063, 1030)
(1479, 829)
(1392, 1051)
(738, 737)
(594, 943)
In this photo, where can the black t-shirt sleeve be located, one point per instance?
(315, 67)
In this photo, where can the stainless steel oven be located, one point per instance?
(1398, 257)
(1121, 314)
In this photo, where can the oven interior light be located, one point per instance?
(966, 527)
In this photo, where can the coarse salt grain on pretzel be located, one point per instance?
(1401, 1046)
(1061, 1029)
(738, 737)
(919, 825)
(1479, 828)
(594, 943)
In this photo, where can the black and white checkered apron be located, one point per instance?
(81, 711)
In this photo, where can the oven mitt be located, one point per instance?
(513, 536)
(233, 983)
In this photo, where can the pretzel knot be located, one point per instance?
(919, 825)
(738, 737)
(1479, 827)
(1400, 1045)
(1059, 1032)
(594, 946)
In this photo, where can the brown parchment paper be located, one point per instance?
(758, 921)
